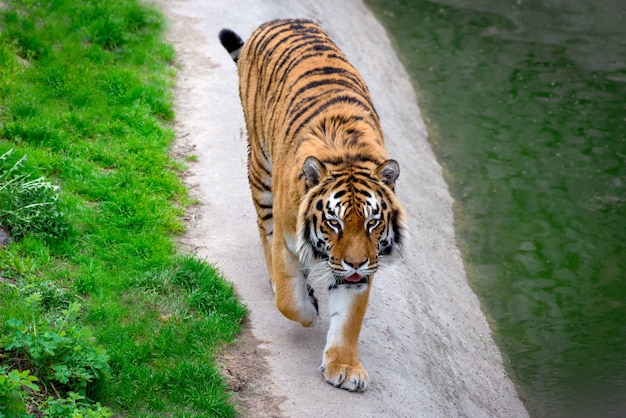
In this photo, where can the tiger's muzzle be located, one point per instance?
(349, 281)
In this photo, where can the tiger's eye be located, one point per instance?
(333, 223)
(372, 223)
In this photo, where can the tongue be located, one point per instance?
(354, 278)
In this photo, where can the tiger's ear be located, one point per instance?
(313, 171)
(388, 172)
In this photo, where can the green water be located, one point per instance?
(526, 107)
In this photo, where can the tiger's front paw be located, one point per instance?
(352, 377)
(310, 310)
(308, 315)
(303, 311)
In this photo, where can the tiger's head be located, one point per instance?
(349, 219)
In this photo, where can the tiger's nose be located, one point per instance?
(356, 264)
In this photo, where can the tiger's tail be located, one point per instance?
(232, 42)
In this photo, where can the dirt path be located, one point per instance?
(425, 341)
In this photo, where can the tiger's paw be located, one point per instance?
(302, 310)
(308, 316)
(345, 376)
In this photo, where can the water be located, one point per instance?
(526, 107)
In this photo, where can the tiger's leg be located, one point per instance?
(341, 365)
(293, 297)
(266, 240)
(261, 187)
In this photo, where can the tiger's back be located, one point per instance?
(295, 73)
(295, 81)
(320, 178)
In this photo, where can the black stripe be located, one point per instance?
(277, 63)
(344, 99)
(266, 217)
(293, 40)
(292, 62)
(313, 85)
(297, 27)
(289, 61)
(259, 166)
(350, 83)
(322, 108)
(352, 159)
(306, 232)
(305, 102)
(257, 182)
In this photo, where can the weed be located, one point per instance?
(50, 347)
(12, 390)
(62, 350)
(74, 405)
(28, 205)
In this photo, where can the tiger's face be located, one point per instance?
(350, 219)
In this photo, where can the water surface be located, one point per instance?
(526, 107)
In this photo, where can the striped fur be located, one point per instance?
(321, 180)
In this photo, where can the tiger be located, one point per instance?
(321, 181)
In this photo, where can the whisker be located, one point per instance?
(320, 273)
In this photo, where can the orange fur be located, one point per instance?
(321, 180)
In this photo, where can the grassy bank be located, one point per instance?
(99, 313)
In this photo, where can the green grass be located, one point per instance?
(97, 304)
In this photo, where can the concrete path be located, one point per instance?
(425, 342)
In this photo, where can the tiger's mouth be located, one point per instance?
(355, 279)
